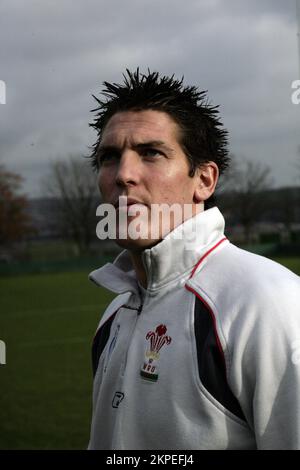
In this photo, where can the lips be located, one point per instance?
(124, 201)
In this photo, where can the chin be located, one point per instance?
(139, 244)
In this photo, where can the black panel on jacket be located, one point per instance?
(210, 362)
(100, 341)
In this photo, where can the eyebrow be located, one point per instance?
(138, 146)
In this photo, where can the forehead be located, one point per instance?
(140, 125)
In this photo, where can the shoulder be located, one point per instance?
(259, 277)
(241, 286)
(238, 271)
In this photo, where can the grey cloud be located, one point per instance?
(57, 53)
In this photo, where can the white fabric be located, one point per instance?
(255, 303)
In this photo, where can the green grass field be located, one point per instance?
(47, 322)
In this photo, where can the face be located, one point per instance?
(140, 157)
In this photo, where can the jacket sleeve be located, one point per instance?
(265, 364)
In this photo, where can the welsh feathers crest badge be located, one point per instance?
(157, 340)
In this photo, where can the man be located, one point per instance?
(199, 348)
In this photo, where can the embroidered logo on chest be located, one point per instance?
(157, 340)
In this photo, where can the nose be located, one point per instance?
(128, 169)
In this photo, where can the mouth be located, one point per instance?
(125, 202)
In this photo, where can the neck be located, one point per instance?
(136, 256)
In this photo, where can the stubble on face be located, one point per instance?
(131, 168)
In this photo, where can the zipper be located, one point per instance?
(138, 310)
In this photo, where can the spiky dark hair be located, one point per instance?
(202, 135)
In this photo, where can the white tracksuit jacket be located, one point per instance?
(208, 359)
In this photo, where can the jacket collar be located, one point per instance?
(172, 258)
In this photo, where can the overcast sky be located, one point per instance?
(55, 53)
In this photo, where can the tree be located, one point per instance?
(73, 184)
(245, 185)
(15, 222)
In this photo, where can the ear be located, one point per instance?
(206, 178)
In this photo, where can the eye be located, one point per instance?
(150, 152)
(107, 157)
